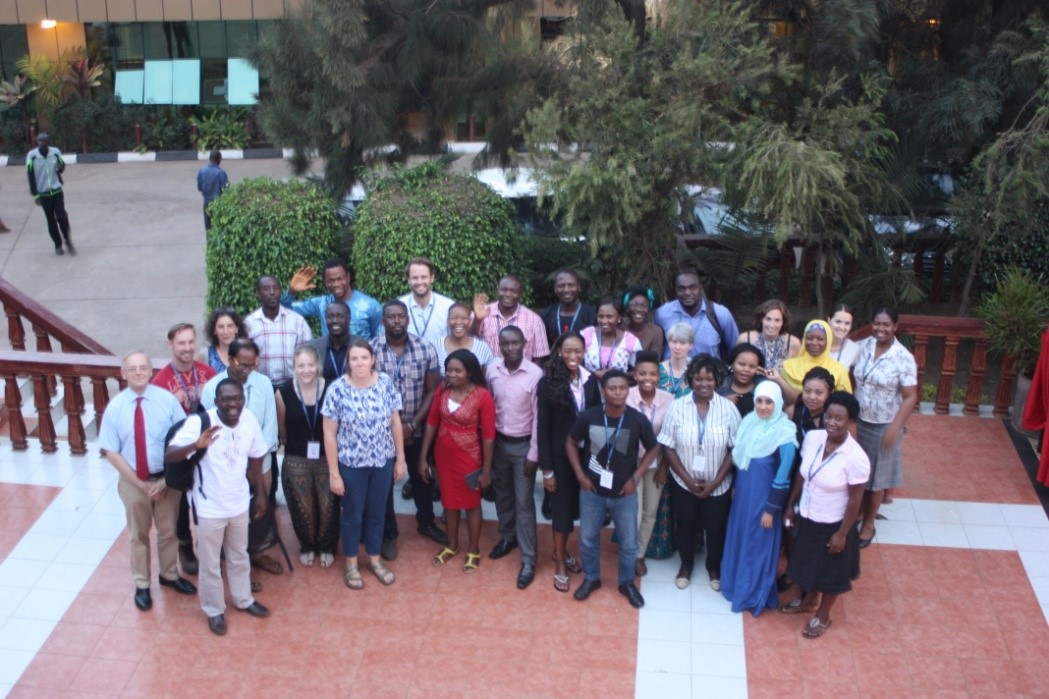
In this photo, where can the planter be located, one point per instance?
(1023, 388)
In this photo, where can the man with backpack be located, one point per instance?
(716, 331)
(132, 438)
(220, 499)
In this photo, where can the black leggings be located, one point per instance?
(693, 516)
(54, 207)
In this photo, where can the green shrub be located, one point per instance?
(544, 256)
(1021, 244)
(163, 127)
(425, 211)
(13, 134)
(262, 226)
(107, 123)
(1015, 316)
(222, 127)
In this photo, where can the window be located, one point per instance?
(13, 45)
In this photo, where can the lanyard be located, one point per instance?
(702, 421)
(428, 316)
(578, 398)
(812, 474)
(191, 398)
(311, 416)
(610, 444)
(611, 352)
(575, 317)
(398, 362)
(872, 364)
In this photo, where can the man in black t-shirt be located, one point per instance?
(608, 481)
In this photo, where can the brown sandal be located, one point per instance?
(267, 563)
(816, 628)
(384, 574)
(792, 607)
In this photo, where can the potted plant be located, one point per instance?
(1015, 317)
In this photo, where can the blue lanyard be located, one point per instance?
(609, 444)
(191, 398)
(311, 419)
(426, 325)
(335, 362)
(812, 474)
(571, 326)
(872, 364)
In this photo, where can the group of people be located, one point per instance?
(767, 450)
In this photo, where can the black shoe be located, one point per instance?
(502, 548)
(71, 247)
(630, 591)
(547, 508)
(59, 251)
(432, 532)
(388, 552)
(407, 491)
(489, 494)
(180, 585)
(256, 610)
(584, 590)
(526, 576)
(187, 560)
(143, 600)
(217, 624)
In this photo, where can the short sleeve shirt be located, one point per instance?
(408, 370)
(684, 432)
(160, 410)
(531, 325)
(612, 445)
(828, 476)
(878, 381)
(364, 438)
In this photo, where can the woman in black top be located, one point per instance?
(816, 387)
(565, 390)
(313, 507)
(746, 366)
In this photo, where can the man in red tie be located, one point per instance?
(132, 439)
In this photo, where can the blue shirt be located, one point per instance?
(211, 180)
(161, 411)
(707, 340)
(259, 398)
(365, 312)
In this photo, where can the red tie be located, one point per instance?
(141, 457)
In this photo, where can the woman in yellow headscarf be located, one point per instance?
(815, 352)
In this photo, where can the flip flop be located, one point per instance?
(815, 628)
(792, 607)
(560, 583)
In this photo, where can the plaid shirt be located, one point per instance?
(277, 340)
(528, 321)
(407, 371)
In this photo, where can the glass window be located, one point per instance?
(212, 39)
(239, 37)
(13, 45)
(213, 84)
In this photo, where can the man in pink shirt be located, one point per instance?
(513, 381)
(491, 318)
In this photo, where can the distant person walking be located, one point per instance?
(44, 167)
(211, 181)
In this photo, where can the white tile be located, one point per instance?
(1041, 589)
(38, 547)
(13, 663)
(101, 526)
(718, 659)
(663, 626)
(705, 600)
(48, 605)
(54, 475)
(664, 656)
(93, 479)
(1030, 539)
(1025, 516)
(903, 533)
(1036, 563)
(724, 629)
(663, 571)
(940, 512)
(660, 685)
(1045, 612)
(982, 513)
(109, 504)
(75, 499)
(713, 687)
(5, 689)
(664, 596)
(85, 551)
(948, 535)
(24, 634)
(66, 576)
(899, 510)
(19, 472)
(59, 523)
(10, 598)
(15, 572)
(987, 537)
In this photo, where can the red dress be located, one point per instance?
(1036, 411)
(457, 450)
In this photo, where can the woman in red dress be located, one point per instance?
(462, 419)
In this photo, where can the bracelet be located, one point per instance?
(548, 476)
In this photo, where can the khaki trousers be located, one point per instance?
(142, 515)
(212, 537)
(648, 494)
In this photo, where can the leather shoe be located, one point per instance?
(217, 624)
(584, 590)
(407, 491)
(180, 585)
(432, 532)
(256, 610)
(187, 559)
(388, 550)
(633, 595)
(502, 548)
(143, 600)
(526, 576)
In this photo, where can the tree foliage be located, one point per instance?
(262, 226)
(457, 222)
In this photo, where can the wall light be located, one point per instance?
(48, 24)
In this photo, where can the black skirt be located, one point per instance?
(816, 570)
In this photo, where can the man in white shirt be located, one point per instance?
(427, 310)
(220, 498)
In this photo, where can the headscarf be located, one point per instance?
(795, 368)
(755, 437)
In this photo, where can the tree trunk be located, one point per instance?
(820, 262)
(970, 278)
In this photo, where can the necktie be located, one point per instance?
(141, 457)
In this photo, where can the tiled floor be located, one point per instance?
(952, 602)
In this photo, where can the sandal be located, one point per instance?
(792, 607)
(442, 557)
(472, 561)
(256, 586)
(815, 628)
(573, 565)
(560, 583)
(267, 564)
(384, 574)
(306, 558)
(327, 559)
(682, 582)
(353, 578)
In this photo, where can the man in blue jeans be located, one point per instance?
(609, 481)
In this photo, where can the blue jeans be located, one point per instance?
(591, 516)
(364, 507)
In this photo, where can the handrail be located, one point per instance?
(71, 368)
(953, 330)
(45, 324)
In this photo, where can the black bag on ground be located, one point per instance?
(179, 474)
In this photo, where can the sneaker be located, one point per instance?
(432, 532)
(71, 247)
(407, 491)
(60, 252)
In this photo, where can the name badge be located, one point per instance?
(805, 497)
(699, 463)
(313, 450)
(606, 480)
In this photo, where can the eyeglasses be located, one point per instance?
(139, 369)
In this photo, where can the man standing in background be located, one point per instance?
(211, 180)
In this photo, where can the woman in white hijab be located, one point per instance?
(764, 453)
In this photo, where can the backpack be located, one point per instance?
(179, 474)
(712, 318)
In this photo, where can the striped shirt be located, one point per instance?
(682, 431)
(277, 340)
(528, 321)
